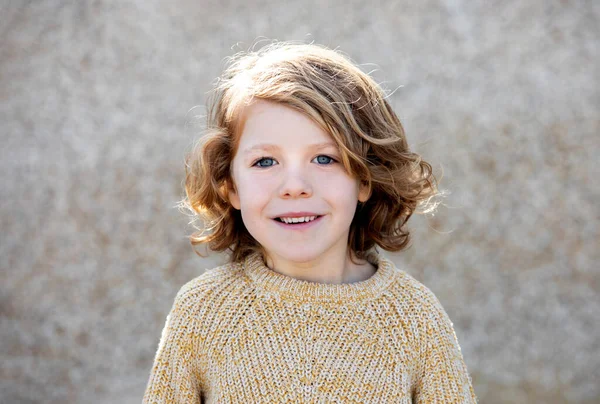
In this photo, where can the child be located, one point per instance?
(303, 172)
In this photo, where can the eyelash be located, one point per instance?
(271, 158)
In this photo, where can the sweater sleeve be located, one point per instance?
(174, 377)
(443, 375)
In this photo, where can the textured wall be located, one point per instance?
(501, 96)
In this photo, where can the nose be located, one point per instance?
(295, 185)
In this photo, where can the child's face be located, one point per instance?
(278, 169)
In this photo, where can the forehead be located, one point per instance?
(269, 123)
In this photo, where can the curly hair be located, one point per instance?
(349, 105)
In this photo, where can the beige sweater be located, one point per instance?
(243, 333)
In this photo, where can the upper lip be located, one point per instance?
(297, 214)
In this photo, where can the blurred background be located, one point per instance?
(96, 98)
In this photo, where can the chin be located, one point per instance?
(298, 255)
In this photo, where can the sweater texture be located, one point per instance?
(243, 333)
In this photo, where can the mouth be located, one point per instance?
(298, 222)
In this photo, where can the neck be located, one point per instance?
(329, 269)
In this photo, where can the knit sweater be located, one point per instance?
(244, 333)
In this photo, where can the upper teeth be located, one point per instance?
(297, 219)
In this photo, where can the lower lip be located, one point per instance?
(299, 226)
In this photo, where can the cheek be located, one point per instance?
(339, 185)
(254, 190)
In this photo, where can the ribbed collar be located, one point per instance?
(296, 289)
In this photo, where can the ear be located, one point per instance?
(233, 196)
(364, 192)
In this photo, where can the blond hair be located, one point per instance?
(348, 104)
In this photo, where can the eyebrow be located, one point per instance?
(269, 147)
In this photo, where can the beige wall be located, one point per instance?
(503, 96)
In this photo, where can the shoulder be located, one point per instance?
(417, 289)
(417, 299)
(211, 284)
(424, 318)
(205, 303)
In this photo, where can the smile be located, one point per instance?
(290, 220)
(298, 223)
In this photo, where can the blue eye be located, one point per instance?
(326, 160)
(267, 159)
